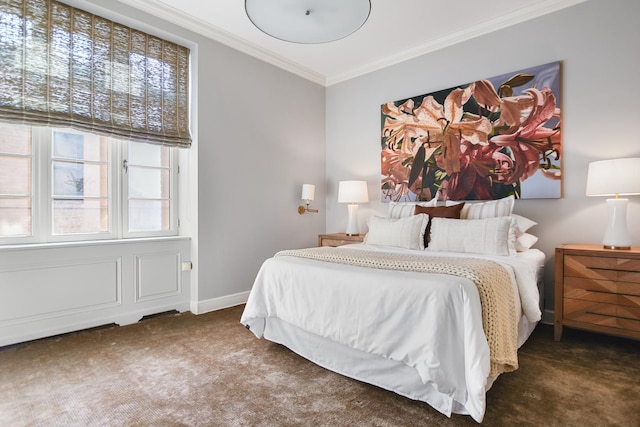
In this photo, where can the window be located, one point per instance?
(66, 185)
(64, 68)
(80, 183)
(149, 189)
(16, 196)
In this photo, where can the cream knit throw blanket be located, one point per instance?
(494, 285)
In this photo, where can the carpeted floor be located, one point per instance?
(207, 370)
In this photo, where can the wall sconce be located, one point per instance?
(308, 192)
(352, 192)
(617, 177)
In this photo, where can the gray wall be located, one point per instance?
(261, 137)
(259, 134)
(596, 41)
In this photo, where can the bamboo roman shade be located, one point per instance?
(61, 66)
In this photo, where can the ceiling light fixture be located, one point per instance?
(308, 21)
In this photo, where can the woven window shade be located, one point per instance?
(64, 67)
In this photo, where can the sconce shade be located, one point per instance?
(308, 191)
(309, 21)
(353, 192)
(614, 177)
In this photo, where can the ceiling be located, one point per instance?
(395, 31)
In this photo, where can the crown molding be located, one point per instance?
(175, 16)
(198, 26)
(504, 21)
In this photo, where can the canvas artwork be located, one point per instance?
(484, 140)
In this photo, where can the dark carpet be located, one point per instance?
(207, 370)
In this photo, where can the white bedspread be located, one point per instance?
(430, 322)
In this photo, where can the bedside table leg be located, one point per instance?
(557, 332)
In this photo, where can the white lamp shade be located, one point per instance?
(308, 191)
(353, 192)
(309, 21)
(614, 177)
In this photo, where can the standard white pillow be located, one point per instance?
(491, 209)
(405, 232)
(522, 224)
(525, 241)
(405, 209)
(490, 236)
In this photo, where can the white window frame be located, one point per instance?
(173, 186)
(42, 202)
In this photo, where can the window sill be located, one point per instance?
(51, 245)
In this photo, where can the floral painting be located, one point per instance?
(480, 141)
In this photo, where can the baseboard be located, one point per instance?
(200, 307)
(548, 317)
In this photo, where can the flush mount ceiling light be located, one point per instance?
(308, 21)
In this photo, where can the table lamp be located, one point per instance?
(615, 177)
(352, 192)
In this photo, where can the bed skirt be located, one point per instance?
(384, 373)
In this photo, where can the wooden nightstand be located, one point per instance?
(338, 239)
(597, 289)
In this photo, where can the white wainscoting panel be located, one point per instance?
(40, 290)
(51, 289)
(157, 275)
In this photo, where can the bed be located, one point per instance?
(406, 318)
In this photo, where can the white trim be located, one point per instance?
(175, 16)
(548, 317)
(486, 27)
(213, 304)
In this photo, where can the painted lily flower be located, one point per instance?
(530, 142)
(481, 167)
(435, 125)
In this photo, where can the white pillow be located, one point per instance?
(522, 224)
(405, 209)
(525, 241)
(491, 209)
(490, 236)
(405, 232)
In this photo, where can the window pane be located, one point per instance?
(15, 175)
(148, 155)
(149, 215)
(78, 179)
(68, 179)
(15, 216)
(15, 139)
(78, 146)
(80, 216)
(148, 183)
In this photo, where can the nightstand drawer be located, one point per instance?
(336, 242)
(619, 269)
(611, 315)
(602, 290)
(338, 239)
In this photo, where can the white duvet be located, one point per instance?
(430, 322)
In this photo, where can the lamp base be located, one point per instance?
(617, 248)
(352, 221)
(616, 235)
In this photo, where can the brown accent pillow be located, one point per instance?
(438, 212)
